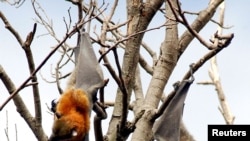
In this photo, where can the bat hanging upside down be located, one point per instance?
(71, 121)
(73, 110)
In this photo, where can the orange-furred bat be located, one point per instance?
(71, 116)
(72, 111)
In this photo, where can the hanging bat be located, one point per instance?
(72, 111)
(167, 127)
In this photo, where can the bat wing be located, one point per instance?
(167, 127)
(89, 75)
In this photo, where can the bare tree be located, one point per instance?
(98, 18)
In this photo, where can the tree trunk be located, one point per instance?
(163, 69)
(139, 15)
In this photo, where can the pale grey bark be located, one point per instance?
(139, 16)
(21, 108)
(162, 71)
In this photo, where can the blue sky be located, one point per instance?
(201, 107)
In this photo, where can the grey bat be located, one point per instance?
(167, 127)
(88, 73)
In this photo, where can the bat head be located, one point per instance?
(70, 127)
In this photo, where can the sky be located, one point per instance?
(201, 106)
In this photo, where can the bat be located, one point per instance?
(73, 110)
(89, 75)
(167, 127)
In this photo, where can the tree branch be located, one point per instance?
(21, 107)
(30, 59)
(26, 46)
(73, 31)
(10, 28)
(206, 57)
(202, 19)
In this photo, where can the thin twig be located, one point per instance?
(30, 59)
(214, 75)
(21, 107)
(127, 38)
(16, 132)
(189, 74)
(206, 57)
(68, 35)
(123, 88)
(6, 130)
(10, 28)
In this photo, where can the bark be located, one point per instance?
(139, 15)
(21, 108)
(171, 50)
(163, 69)
(203, 18)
